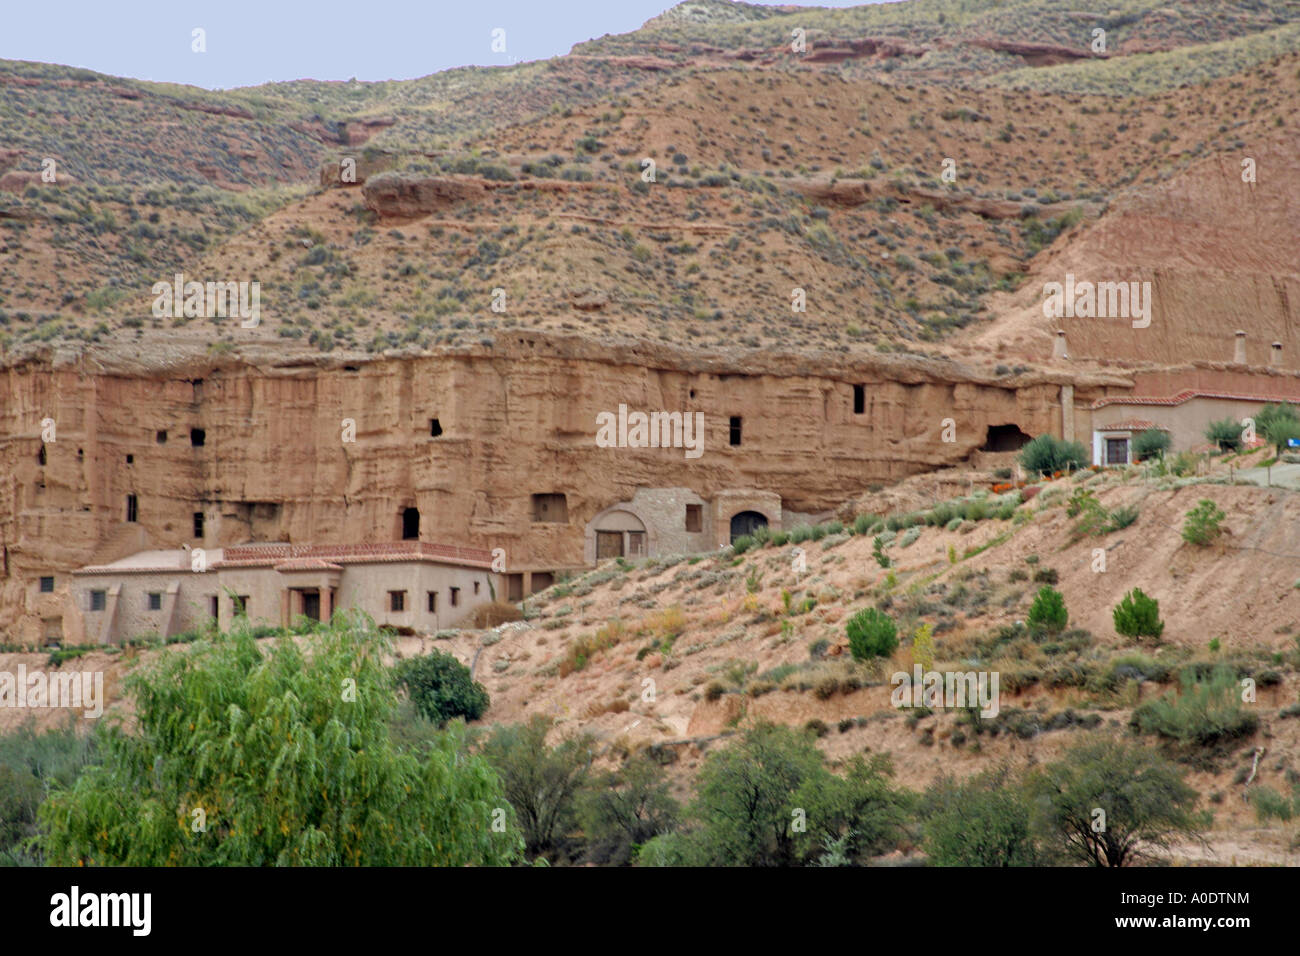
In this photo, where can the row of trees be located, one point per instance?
(243, 755)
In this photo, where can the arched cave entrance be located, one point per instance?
(1005, 438)
(746, 522)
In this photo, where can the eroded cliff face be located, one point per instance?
(513, 420)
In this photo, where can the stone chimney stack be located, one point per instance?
(1276, 357)
(1239, 351)
(1058, 347)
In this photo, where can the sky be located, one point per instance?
(255, 41)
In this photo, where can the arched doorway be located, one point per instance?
(746, 522)
(618, 534)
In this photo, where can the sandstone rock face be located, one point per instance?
(514, 420)
(364, 167)
(406, 197)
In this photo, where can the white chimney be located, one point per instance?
(1239, 351)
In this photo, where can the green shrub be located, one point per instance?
(1226, 434)
(1138, 615)
(1204, 713)
(742, 544)
(862, 524)
(1122, 517)
(1202, 525)
(878, 552)
(871, 634)
(1048, 454)
(1152, 443)
(1048, 611)
(441, 688)
(1271, 804)
(1277, 423)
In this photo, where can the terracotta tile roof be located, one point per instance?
(275, 555)
(1188, 395)
(308, 564)
(1130, 425)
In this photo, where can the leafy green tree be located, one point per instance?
(245, 756)
(860, 813)
(1225, 433)
(983, 821)
(441, 687)
(1048, 454)
(1201, 525)
(1142, 799)
(1152, 443)
(31, 764)
(541, 782)
(871, 634)
(1138, 615)
(1048, 612)
(745, 797)
(1277, 423)
(622, 810)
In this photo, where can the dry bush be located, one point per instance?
(494, 614)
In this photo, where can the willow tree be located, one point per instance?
(245, 755)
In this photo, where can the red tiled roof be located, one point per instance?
(1130, 425)
(274, 555)
(1190, 393)
(308, 564)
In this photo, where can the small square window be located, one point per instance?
(98, 600)
(397, 600)
(735, 429)
(197, 437)
(130, 459)
(47, 584)
(694, 518)
(155, 601)
(239, 604)
(455, 597)
(435, 428)
(160, 436)
(433, 602)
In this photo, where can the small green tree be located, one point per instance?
(622, 810)
(1138, 615)
(1202, 524)
(1048, 612)
(1226, 434)
(1048, 454)
(542, 783)
(871, 634)
(981, 822)
(1152, 443)
(1142, 799)
(878, 552)
(441, 687)
(1277, 423)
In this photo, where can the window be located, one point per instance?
(435, 428)
(694, 518)
(197, 437)
(198, 524)
(239, 605)
(859, 399)
(98, 599)
(132, 512)
(47, 584)
(411, 524)
(551, 507)
(433, 602)
(40, 456)
(397, 600)
(160, 436)
(130, 459)
(155, 601)
(213, 610)
(455, 597)
(735, 429)
(476, 587)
